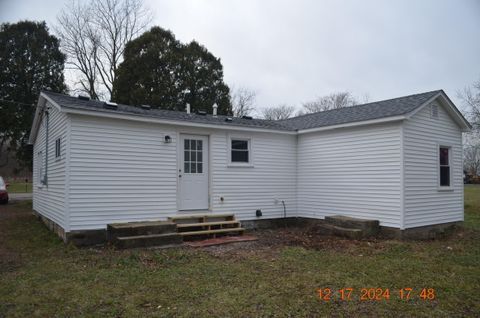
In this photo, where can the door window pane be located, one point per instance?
(193, 167)
(193, 156)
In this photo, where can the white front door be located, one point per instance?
(193, 172)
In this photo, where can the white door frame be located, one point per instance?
(180, 162)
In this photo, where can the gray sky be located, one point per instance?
(293, 51)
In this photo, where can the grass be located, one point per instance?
(20, 187)
(40, 276)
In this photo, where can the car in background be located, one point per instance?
(3, 191)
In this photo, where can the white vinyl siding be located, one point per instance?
(354, 172)
(120, 171)
(49, 199)
(123, 171)
(425, 202)
(263, 185)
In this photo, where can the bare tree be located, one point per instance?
(80, 43)
(331, 101)
(471, 145)
(243, 101)
(94, 35)
(278, 113)
(471, 98)
(471, 153)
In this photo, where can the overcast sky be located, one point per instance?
(293, 51)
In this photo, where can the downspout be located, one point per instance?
(45, 178)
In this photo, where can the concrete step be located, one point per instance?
(161, 240)
(330, 229)
(369, 227)
(140, 228)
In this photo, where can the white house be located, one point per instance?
(398, 161)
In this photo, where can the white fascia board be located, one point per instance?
(42, 102)
(170, 122)
(353, 124)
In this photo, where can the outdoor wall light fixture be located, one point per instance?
(168, 139)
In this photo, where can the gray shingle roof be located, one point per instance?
(382, 109)
(376, 110)
(75, 103)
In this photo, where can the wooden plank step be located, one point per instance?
(140, 228)
(237, 229)
(184, 225)
(200, 216)
(149, 240)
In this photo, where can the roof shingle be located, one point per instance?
(375, 110)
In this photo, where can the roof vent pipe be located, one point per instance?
(215, 107)
(188, 108)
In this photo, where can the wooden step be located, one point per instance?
(161, 240)
(186, 225)
(201, 217)
(140, 228)
(217, 231)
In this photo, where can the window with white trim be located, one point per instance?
(240, 151)
(444, 166)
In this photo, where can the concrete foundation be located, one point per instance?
(54, 227)
(429, 232)
(95, 237)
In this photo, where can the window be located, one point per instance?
(444, 157)
(57, 148)
(193, 156)
(240, 150)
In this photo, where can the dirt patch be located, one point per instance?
(270, 242)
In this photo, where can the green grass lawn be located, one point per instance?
(42, 277)
(19, 187)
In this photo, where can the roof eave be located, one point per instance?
(353, 124)
(97, 113)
